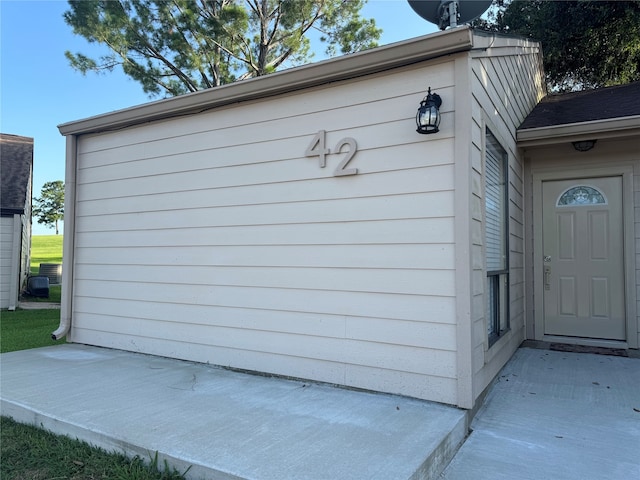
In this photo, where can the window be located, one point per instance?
(581, 195)
(496, 229)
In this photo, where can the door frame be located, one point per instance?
(626, 172)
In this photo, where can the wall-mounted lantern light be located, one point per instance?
(584, 145)
(428, 116)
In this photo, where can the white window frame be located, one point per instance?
(497, 252)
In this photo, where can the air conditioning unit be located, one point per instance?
(38, 286)
(53, 271)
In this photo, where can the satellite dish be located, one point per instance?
(448, 13)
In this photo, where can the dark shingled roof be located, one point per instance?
(600, 104)
(16, 163)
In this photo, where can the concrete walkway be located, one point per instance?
(550, 415)
(38, 305)
(227, 425)
(556, 415)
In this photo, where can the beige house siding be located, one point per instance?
(202, 229)
(212, 237)
(506, 84)
(7, 276)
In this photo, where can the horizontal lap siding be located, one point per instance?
(506, 85)
(214, 238)
(6, 256)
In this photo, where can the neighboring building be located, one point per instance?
(16, 172)
(296, 224)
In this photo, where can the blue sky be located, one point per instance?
(39, 90)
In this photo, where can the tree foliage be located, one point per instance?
(178, 46)
(586, 44)
(49, 207)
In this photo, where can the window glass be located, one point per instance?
(495, 204)
(496, 221)
(581, 195)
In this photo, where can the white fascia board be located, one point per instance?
(571, 132)
(342, 68)
(491, 44)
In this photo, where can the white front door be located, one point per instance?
(583, 258)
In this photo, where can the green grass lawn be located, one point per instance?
(25, 329)
(30, 453)
(45, 249)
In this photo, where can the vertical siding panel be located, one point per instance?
(464, 206)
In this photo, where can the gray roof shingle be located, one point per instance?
(16, 164)
(592, 105)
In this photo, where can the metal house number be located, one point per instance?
(317, 148)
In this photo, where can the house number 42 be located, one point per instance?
(317, 148)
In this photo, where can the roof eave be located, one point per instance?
(571, 132)
(336, 69)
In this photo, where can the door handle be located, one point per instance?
(547, 277)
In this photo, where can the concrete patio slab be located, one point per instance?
(556, 415)
(224, 424)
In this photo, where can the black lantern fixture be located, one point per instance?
(428, 116)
